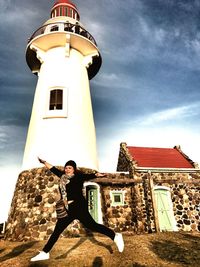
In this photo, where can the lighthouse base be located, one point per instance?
(32, 215)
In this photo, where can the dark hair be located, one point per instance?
(71, 163)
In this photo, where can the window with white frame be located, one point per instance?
(56, 99)
(117, 198)
(57, 102)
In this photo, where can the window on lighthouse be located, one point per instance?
(56, 99)
(66, 11)
(70, 12)
(61, 11)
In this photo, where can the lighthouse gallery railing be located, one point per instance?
(63, 27)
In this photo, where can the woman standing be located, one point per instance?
(73, 206)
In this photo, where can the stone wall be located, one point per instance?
(119, 218)
(144, 210)
(186, 204)
(184, 189)
(32, 215)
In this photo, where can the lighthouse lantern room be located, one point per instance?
(64, 56)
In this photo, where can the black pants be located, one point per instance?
(82, 214)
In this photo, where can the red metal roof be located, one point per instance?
(64, 2)
(159, 157)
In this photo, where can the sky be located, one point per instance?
(145, 94)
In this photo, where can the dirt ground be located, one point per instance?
(152, 250)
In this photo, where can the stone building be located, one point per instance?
(155, 189)
(32, 215)
(166, 186)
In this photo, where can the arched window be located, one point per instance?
(56, 99)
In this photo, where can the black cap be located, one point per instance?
(71, 163)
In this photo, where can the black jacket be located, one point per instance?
(74, 188)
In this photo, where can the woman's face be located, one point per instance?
(69, 170)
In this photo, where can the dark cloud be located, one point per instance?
(170, 13)
(150, 51)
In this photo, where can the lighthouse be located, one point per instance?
(64, 56)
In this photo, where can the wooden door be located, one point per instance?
(164, 207)
(92, 198)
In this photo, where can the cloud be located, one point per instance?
(164, 128)
(172, 114)
(109, 80)
(12, 12)
(12, 139)
(4, 4)
(2, 139)
(147, 136)
(167, 136)
(151, 36)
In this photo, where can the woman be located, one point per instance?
(75, 207)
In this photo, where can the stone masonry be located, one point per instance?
(33, 217)
(184, 189)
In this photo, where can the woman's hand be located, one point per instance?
(41, 160)
(48, 165)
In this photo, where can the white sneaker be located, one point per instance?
(119, 241)
(41, 256)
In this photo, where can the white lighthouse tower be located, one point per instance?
(64, 56)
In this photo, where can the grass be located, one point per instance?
(152, 250)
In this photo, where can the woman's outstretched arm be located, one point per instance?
(52, 168)
(46, 164)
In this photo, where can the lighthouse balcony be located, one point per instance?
(66, 27)
(55, 34)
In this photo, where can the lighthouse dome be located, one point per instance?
(64, 2)
(65, 8)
